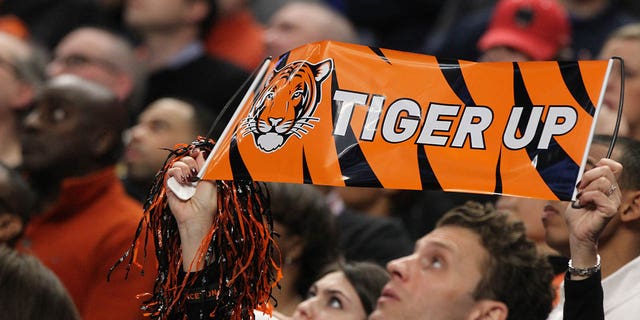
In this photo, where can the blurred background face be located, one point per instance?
(163, 124)
(55, 131)
(501, 54)
(10, 49)
(629, 50)
(331, 298)
(292, 26)
(86, 53)
(147, 15)
(529, 211)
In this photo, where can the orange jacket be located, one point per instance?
(82, 235)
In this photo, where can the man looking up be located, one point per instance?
(21, 73)
(71, 141)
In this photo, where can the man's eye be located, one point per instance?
(335, 303)
(58, 115)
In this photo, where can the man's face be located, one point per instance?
(10, 82)
(556, 231)
(156, 15)
(629, 50)
(88, 54)
(291, 27)
(502, 54)
(528, 210)
(163, 124)
(54, 132)
(437, 281)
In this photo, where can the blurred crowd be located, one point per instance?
(93, 94)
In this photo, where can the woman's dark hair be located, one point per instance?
(367, 279)
(30, 290)
(303, 211)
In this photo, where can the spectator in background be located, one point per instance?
(625, 43)
(299, 22)
(173, 50)
(84, 219)
(16, 205)
(523, 30)
(619, 241)
(21, 74)
(236, 35)
(162, 125)
(590, 23)
(104, 57)
(307, 241)
(343, 291)
(30, 290)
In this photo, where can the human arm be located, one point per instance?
(193, 216)
(599, 198)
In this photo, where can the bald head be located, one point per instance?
(74, 128)
(98, 55)
(298, 23)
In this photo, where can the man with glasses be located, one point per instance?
(104, 57)
(20, 75)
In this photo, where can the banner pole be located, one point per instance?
(185, 191)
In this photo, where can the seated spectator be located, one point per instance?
(526, 30)
(30, 290)
(236, 35)
(343, 291)
(174, 53)
(84, 220)
(21, 74)
(307, 240)
(618, 243)
(624, 43)
(163, 124)
(299, 22)
(104, 57)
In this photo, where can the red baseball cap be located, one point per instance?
(538, 28)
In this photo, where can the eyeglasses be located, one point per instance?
(80, 60)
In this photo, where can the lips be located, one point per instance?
(388, 294)
(549, 211)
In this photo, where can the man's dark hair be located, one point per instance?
(515, 272)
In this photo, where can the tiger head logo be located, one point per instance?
(285, 106)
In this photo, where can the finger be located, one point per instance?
(600, 202)
(180, 171)
(596, 173)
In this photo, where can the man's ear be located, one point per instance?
(489, 310)
(630, 207)
(10, 227)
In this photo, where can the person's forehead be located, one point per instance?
(11, 47)
(455, 239)
(169, 109)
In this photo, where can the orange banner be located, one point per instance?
(339, 114)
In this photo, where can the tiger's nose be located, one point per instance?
(275, 121)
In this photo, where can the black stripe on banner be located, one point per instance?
(498, 187)
(380, 54)
(238, 168)
(453, 74)
(554, 165)
(572, 77)
(428, 179)
(353, 164)
(306, 176)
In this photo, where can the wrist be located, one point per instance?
(580, 273)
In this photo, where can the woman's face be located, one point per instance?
(331, 297)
